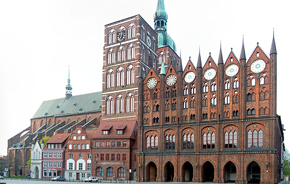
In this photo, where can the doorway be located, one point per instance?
(187, 172)
(208, 172)
(168, 171)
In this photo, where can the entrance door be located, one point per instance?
(187, 172)
(208, 172)
(78, 176)
(151, 172)
(134, 174)
(254, 173)
(36, 173)
(169, 171)
(230, 172)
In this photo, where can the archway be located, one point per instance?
(36, 173)
(254, 173)
(208, 172)
(187, 172)
(151, 172)
(168, 171)
(230, 172)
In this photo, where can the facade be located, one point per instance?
(115, 150)
(78, 154)
(159, 121)
(36, 160)
(53, 157)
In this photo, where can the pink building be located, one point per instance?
(53, 156)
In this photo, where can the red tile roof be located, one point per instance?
(129, 131)
(58, 138)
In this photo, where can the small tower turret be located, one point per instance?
(68, 88)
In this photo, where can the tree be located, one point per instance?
(44, 139)
(286, 165)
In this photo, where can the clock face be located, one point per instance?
(171, 80)
(258, 66)
(209, 74)
(151, 83)
(232, 70)
(149, 41)
(121, 35)
(189, 77)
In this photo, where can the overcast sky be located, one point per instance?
(39, 39)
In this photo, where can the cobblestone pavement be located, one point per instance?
(24, 181)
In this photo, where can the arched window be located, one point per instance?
(236, 83)
(119, 104)
(169, 140)
(185, 103)
(111, 57)
(130, 75)
(208, 138)
(100, 171)
(130, 103)
(152, 143)
(213, 101)
(227, 100)
(120, 77)
(110, 105)
(262, 81)
(253, 82)
(110, 172)
(121, 54)
(231, 139)
(161, 58)
(110, 78)
(255, 136)
(121, 172)
(188, 141)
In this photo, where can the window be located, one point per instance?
(118, 157)
(208, 138)
(188, 141)
(74, 146)
(49, 173)
(110, 78)
(130, 75)
(83, 175)
(130, 103)
(102, 156)
(83, 146)
(87, 146)
(89, 166)
(262, 81)
(231, 139)
(54, 155)
(79, 146)
(105, 132)
(70, 155)
(121, 172)
(213, 101)
(118, 144)
(227, 85)
(255, 137)
(107, 157)
(123, 157)
(185, 103)
(44, 155)
(112, 157)
(119, 132)
(44, 164)
(214, 87)
(70, 166)
(120, 77)
(227, 100)
(80, 155)
(83, 137)
(59, 164)
(44, 173)
(100, 171)
(124, 144)
(59, 155)
(169, 141)
(69, 146)
(110, 172)
(253, 82)
(49, 155)
(113, 143)
(80, 166)
(97, 144)
(152, 143)
(54, 164)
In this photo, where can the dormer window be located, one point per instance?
(120, 129)
(119, 132)
(106, 129)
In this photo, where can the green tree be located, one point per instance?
(286, 165)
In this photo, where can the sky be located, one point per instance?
(39, 39)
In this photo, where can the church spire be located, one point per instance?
(221, 60)
(199, 60)
(273, 46)
(243, 53)
(68, 91)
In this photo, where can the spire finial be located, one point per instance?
(199, 60)
(221, 60)
(273, 46)
(68, 92)
(180, 65)
(243, 53)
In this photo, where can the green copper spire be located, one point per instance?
(160, 25)
(162, 71)
(68, 91)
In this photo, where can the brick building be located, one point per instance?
(53, 157)
(78, 154)
(115, 151)
(215, 122)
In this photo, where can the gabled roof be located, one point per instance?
(85, 103)
(58, 138)
(129, 131)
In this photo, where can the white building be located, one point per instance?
(36, 160)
